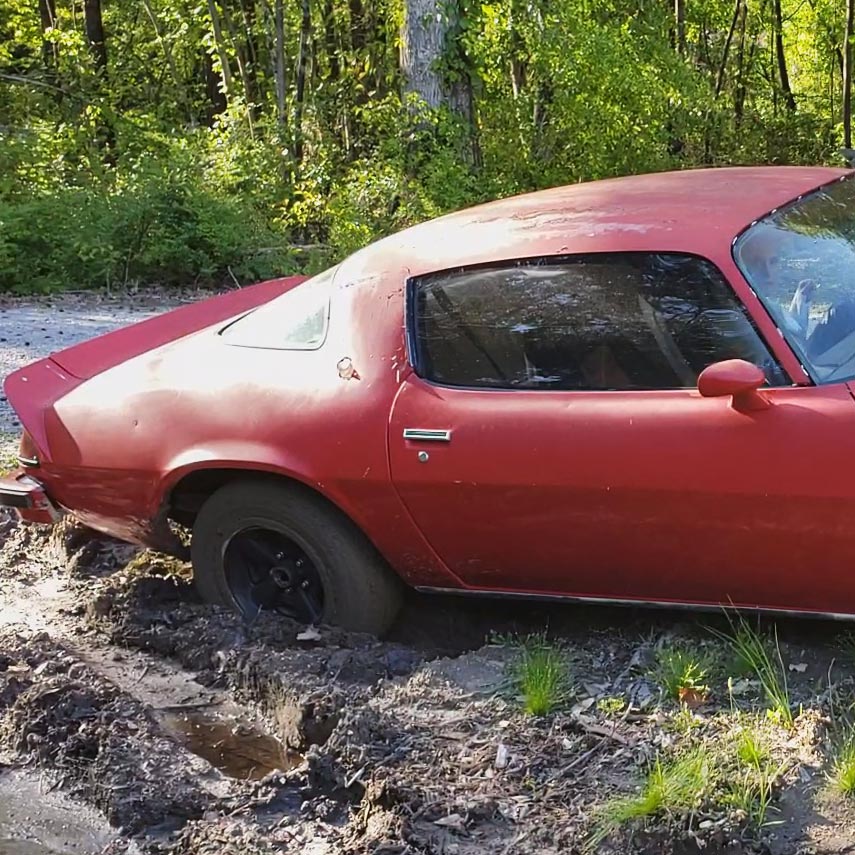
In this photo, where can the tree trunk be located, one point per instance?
(422, 45)
(50, 51)
(220, 47)
(300, 94)
(251, 62)
(680, 26)
(847, 74)
(279, 63)
(359, 35)
(95, 33)
(240, 58)
(170, 59)
(739, 94)
(213, 88)
(781, 58)
(722, 69)
(331, 41)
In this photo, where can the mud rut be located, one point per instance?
(133, 718)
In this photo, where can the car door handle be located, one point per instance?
(427, 435)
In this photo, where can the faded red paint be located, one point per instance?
(667, 496)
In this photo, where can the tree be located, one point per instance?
(47, 14)
(300, 93)
(847, 74)
(781, 57)
(680, 26)
(428, 47)
(94, 25)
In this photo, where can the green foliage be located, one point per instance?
(762, 657)
(541, 675)
(750, 786)
(181, 163)
(151, 219)
(611, 706)
(670, 788)
(680, 668)
(843, 765)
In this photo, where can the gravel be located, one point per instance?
(33, 329)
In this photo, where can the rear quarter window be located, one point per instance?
(297, 320)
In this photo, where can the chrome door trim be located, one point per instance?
(427, 435)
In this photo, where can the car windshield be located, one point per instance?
(800, 261)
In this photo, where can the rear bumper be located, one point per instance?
(29, 499)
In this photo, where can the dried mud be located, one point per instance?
(190, 731)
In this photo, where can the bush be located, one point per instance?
(154, 220)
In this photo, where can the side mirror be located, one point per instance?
(734, 377)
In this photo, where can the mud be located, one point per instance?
(38, 820)
(186, 730)
(237, 750)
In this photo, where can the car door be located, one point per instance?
(553, 441)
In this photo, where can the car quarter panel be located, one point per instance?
(121, 440)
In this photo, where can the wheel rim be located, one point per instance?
(268, 571)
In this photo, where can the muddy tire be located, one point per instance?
(273, 547)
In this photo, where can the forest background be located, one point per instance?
(204, 142)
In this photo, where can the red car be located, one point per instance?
(636, 390)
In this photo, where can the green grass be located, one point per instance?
(611, 706)
(750, 788)
(761, 657)
(846, 646)
(843, 766)
(673, 787)
(679, 668)
(750, 792)
(751, 748)
(541, 675)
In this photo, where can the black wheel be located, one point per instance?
(259, 546)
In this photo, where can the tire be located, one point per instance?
(351, 584)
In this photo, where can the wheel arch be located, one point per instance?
(188, 488)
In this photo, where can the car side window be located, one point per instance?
(597, 322)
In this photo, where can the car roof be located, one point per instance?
(696, 210)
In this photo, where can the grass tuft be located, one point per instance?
(611, 706)
(672, 787)
(843, 767)
(680, 670)
(751, 787)
(542, 675)
(762, 657)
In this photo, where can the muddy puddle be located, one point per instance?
(237, 750)
(37, 821)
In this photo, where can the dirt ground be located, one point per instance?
(178, 728)
(135, 719)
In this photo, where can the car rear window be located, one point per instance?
(295, 321)
(601, 322)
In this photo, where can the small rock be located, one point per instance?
(502, 756)
(454, 821)
(310, 633)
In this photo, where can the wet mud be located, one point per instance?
(182, 729)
